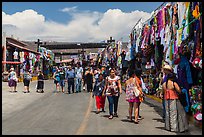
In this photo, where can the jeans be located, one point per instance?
(113, 104)
(164, 111)
(78, 84)
(70, 84)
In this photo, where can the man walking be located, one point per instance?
(70, 75)
(79, 73)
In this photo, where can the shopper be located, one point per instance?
(175, 116)
(56, 77)
(40, 84)
(97, 92)
(79, 73)
(26, 80)
(137, 77)
(12, 80)
(134, 101)
(62, 79)
(89, 80)
(70, 75)
(113, 90)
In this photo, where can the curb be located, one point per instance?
(190, 118)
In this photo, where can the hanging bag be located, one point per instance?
(136, 90)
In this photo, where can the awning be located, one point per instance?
(65, 61)
(10, 62)
(20, 47)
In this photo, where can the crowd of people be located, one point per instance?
(105, 82)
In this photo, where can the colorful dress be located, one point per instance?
(130, 96)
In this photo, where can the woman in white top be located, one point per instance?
(113, 90)
(12, 80)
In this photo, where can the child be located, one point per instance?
(40, 84)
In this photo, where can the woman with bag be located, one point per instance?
(131, 89)
(175, 116)
(40, 84)
(97, 92)
(26, 81)
(12, 80)
(113, 90)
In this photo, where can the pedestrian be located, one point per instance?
(175, 116)
(134, 101)
(56, 77)
(165, 71)
(70, 75)
(62, 79)
(26, 80)
(97, 92)
(12, 80)
(40, 84)
(79, 73)
(89, 80)
(137, 77)
(113, 90)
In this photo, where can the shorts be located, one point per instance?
(12, 83)
(26, 82)
(55, 81)
(62, 83)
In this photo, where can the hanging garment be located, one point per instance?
(184, 73)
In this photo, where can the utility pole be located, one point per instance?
(38, 43)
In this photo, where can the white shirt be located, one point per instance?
(79, 72)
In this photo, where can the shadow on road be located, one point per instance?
(158, 120)
(156, 108)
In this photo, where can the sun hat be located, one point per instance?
(12, 69)
(168, 67)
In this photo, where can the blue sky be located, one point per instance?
(66, 13)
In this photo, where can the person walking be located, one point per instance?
(79, 73)
(62, 79)
(97, 92)
(113, 90)
(137, 77)
(56, 77)
(40, 84)
(26, 80)
(89, 80)
(12, 80)
(133, 101)
(175, 116)
(70, 75)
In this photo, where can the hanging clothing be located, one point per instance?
(184, 73)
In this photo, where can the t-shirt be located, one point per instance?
(62, 75)
(79, 72)
(15, 55)
(112, 88)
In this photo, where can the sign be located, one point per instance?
(57, 59)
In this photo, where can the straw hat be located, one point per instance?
(12, 69)
(168, 67)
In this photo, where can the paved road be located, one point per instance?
(71, 114)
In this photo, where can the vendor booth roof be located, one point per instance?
(10, 62)
(20, 47)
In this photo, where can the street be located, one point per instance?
(74, 114)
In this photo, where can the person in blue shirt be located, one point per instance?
(70, 75)
(56, 77)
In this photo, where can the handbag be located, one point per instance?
(136, 91)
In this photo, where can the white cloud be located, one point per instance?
(85, 26)
(69, 9)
